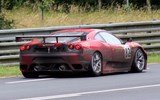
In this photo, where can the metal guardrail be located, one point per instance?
(146, 33)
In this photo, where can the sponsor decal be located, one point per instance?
(127, 52)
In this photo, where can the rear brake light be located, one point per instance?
(78, 47)
(71, 46)
(24, 47)
(75, 46)
(27, 47)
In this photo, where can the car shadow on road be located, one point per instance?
(67, 75)
(83, 75)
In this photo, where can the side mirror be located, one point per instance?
(129, 40)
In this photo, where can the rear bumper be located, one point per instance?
(68, 62)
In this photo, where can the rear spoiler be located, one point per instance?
(20, 38)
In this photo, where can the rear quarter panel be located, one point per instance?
(92, 46)
(134, 47)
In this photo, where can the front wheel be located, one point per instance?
(96, 64)
(139, 61)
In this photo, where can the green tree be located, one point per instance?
(4, 23)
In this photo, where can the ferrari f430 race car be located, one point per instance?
(79, 50)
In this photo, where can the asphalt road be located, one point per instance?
(121, 86)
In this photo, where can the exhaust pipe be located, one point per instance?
(62, 67)
(36, 68)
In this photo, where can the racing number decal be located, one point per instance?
(127, 52)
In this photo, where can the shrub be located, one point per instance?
(4, 23)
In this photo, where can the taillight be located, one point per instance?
(78, 47)
(71, 46)
(27, 47)
(75, 46)
(24, 47)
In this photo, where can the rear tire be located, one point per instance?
(139, 61)
(30, 75)
(96, 64)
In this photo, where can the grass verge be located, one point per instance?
(14, 70)
(154, 58)
(8, 71)
(27, 18)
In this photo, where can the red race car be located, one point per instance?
(79, 50)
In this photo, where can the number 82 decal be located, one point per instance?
(127, 52)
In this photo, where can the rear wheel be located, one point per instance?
(139, 61)
(96, 64)
(30, 75)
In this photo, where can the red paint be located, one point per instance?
(58, 44)
(80, 52)
(78, 47)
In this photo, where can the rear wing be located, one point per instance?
(29, 37)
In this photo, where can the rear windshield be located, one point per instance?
(64, 39)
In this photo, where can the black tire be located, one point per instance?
(139, 61)
(96, 64)
(30, 75)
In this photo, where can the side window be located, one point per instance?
(109, 38)
(98, 37)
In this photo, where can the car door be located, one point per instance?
(120, 53)
(107, 56)
(106, 46)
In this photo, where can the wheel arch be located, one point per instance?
(102, 57)
(99, 53)
(145, 55)
(91, 68)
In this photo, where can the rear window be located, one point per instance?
(64, 39)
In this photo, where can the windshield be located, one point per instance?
(64, 39)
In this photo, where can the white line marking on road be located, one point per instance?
(90, 92)
(53, 97)
(26, 81)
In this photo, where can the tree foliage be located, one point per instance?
(65, 5)
(4, 23)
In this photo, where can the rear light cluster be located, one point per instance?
(70, 46)
(27, 47)
(24, 47)
(75, 46)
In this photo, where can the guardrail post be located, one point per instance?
(149, 32)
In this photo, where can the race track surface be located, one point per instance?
(120, 86)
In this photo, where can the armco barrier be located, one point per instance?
(145, 33)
